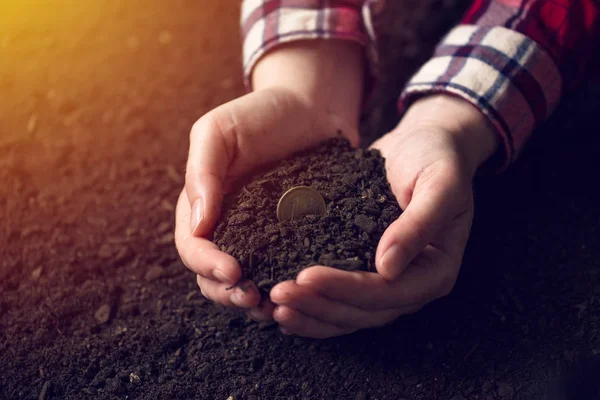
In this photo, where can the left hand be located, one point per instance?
(431, 158)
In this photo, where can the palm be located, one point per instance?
(435, 193)
(227, 144)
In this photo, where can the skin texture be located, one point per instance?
(430, 169)
(431, 158)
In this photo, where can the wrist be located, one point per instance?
(325, 75)
(473, 134)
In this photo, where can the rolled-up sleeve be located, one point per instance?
(512, 60)
(269, 23)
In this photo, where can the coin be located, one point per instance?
(298, 202)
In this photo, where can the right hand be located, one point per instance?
(302, 98)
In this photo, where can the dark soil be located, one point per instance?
(360, 206)
(97, 99)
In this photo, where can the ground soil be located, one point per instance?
(97, 101)
(359, 202)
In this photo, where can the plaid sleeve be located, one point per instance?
(511, 59)
(268, 23)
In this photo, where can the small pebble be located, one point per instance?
(154, 272)
(102, 315)
(166, 239)
(163, 227)
(36, 273)
(134, 378)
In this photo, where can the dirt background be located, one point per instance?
(96, 102)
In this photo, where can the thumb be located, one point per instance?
(430, 209)
(206, 168)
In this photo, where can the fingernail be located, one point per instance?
(391, 259)
(257, 315)
(222, 276)
(236, 298)
(197, 214)
(278, 296)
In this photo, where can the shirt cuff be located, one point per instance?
(505, 74)
(265, 27)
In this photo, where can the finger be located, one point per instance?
(263, 312)
(210, 263)
(431, 208)
(293, 322)
(305, 300)
(417, 285)
(200, 255)
(237, 137)
(244, 295)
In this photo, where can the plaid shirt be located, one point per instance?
(510, 58)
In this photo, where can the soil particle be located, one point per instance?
(351, 181)
(36, 273)
(45, 392)
(166, 239)
(123, 256)
(154, 272)
(103, 314)
(134, 378)
(67, 191)
(365, 223)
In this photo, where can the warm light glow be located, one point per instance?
(37, 15)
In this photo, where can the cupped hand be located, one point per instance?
(430, 159)
(227, 144)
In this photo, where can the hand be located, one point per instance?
(291, 109)
(431, 158)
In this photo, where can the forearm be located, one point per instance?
(326, 74)
(315, 49)
(511, 60)
(470, 130)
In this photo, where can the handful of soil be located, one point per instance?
(359, 207)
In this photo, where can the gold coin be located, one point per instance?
(298, 202)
